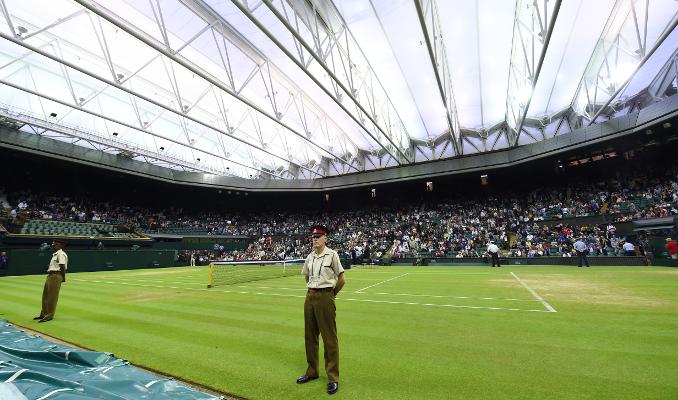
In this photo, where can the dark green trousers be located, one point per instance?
(320, 319)
(50, 295)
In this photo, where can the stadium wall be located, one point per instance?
(30, 262)
(599, 261)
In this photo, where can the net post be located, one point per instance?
(209, 277)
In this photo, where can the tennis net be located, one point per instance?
(233, 272)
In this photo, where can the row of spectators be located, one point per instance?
(457, 227)
(641, 195)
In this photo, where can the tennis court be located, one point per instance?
(405, 332)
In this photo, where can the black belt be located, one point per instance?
(323, 289)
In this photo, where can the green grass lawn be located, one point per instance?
(404, 332)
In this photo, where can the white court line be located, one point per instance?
(203, 284)
(443, 270)
(304, 289)
(303, 296)
(448, 297)
(536, 296)
(379, 283)
(442, 305)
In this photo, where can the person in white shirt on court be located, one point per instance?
(493, 250)
(582, 252)
(629, 249)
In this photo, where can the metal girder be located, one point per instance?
(116, 83)
(57, 126)
(309, 115)
(172, 54)
(77, 105)
(647, 56)
(621, 50)
(348, 73)
(93, 137)
(665, 78)
(427, 11)
(532, 29)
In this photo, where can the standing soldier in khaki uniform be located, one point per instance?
(56, 275)
(324, 279)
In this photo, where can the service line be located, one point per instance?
(379, 283)
(536, 296)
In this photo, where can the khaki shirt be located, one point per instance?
(59, 257)
(322, 269)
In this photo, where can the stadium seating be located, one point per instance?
(447, 228)
(74, 229)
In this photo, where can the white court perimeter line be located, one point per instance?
(536, 296)
(379, 283)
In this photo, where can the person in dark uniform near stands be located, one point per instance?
(4, 261)
(367, 257)
(56, 275)
(324, 279)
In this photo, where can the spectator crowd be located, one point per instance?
(532, 224)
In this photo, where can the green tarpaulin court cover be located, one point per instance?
(34, 368)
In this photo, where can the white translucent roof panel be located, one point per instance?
(407, 41)
(577, 31)
(478, 40)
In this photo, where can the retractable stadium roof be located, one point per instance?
(303, 89)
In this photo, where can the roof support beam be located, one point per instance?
(532, 31)
(621, 87)
(93, 138)
(155, 155)
(427, 10)
(170, 54)
(666, 76)
(359, 83)
(138, 95)
(304, 105)
(621, 50)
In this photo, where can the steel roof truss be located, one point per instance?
(342, 57)
(532, 31)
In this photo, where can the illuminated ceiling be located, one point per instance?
(302, 89)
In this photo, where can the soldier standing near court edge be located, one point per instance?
(56, 275)
(324, 279)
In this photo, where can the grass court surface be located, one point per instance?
(404, 332)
